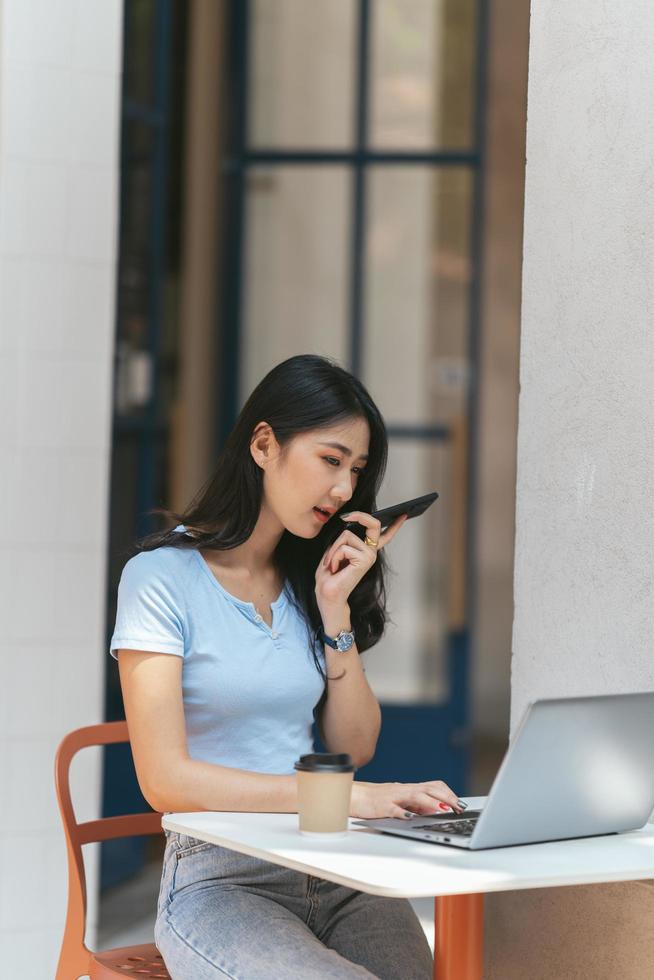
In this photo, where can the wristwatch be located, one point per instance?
(343, 641)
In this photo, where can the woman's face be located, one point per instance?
(318, 469)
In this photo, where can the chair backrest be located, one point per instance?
(92, 831)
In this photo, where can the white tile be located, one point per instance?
(79, 599)
(95, 131)
(10, 301)
(56, 870)
(33, 208)
(31, 603)
(4, 763)
(98, 35)
(44, 398)
(37, 112)
(8, 491)
(40, 312)
(74, 673)
(92, 216)
(31, 954)
(6, 650)
(56, 498)
(9, 413)
(28, 796)
(88, 422)
(89, 324)
(34, 498)
(23, 895)
(50, 687)
(38, 31)
(71, 313)
(82, 500)
(64, 403)
(56, 115)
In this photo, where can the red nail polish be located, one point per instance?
(444, 806)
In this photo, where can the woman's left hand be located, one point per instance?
(348, 559)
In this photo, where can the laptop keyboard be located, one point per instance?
(462, 828)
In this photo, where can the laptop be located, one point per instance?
(576, 767)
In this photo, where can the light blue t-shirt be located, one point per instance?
(249, 690)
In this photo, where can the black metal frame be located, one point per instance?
(241, 158)
(149, 427)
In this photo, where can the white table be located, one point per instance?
(400, 867)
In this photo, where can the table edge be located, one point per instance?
(390, 892)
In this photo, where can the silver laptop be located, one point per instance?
(576, 767)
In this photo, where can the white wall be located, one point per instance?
(60, 66)
(584, 575)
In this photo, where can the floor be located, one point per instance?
(127, 912)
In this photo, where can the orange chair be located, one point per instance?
(76, 959)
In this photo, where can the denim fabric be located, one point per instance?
(224, 914)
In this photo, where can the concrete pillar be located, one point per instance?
(584, 577)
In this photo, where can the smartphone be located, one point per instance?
(413, 508)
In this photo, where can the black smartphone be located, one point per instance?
(413, 508)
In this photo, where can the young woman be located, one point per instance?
(223, 665)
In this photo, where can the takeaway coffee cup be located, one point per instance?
(324, 788)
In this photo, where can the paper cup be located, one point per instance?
(324, 789)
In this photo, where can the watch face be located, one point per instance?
(345, 641)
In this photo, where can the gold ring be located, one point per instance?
(371, 543)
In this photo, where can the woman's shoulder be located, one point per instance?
(164, 561)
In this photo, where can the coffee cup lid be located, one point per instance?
(325, 762)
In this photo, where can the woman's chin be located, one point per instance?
(308, 533)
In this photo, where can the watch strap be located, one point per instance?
(333, 641)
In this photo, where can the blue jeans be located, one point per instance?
(224, 914)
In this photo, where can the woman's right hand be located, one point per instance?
(401, 799)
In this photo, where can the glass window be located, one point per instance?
(417, 291)
(297, 224)
(423, 73)
(409, 664)
(302, 73)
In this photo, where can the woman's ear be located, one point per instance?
(263, 445)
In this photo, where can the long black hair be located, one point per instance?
(304, 392)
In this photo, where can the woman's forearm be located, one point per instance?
(191, 784)
(351, 716)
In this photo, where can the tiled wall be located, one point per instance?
(60, 65)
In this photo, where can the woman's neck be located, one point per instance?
(256, 555)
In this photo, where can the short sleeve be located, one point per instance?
(149, 614)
